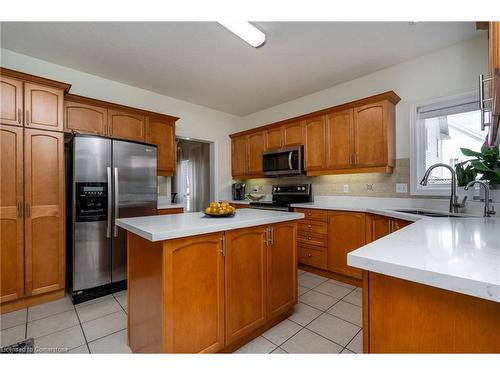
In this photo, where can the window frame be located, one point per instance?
(418, 145)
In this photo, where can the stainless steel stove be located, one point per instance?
(284, 196)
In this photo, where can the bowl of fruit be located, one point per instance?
(220, 209)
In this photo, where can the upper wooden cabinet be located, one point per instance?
(356, 137)
(256, 143)
(11, 96)
(85, 118)
(161, 133)
(126, 125)
(11, 213)
(239, 155)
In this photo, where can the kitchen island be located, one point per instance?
(206, 285)
(432, 287)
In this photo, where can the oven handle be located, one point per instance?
(290, 160)
(110, 203)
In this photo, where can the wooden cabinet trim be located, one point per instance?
(35, 79)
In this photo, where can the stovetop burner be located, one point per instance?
(284, 196)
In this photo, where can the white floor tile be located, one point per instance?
(122, 299)
(333, 290)
(282, 332)
(12, 335)
(347, 311)
(302, 290)
(97, 310)
(345, 285)
(304, 314)
(80, 350)
(52, 323)
(61, 341)
(50, 308)
(356, 345)
(333, 328)
(346, 351)
(95, 300)
(355, 297)
(278, 351)
(12, 319)
(318, 300)
(114, 343)
(104, 326)
(309, 342)
(258, 345)
(309, 280)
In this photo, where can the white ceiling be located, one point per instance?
(203, 63)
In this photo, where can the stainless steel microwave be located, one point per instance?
(283, 162)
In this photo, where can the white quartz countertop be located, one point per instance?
(165, 227)
(457, 254)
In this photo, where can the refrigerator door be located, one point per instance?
(135, 194)
(91, 246)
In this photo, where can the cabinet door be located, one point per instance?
(43, 107)
(162, 134)
(282, 269)
(273, 138)
(293, 134)
(11, 105)
(194, 314)
(126, 125)
(246, 291)
(11, 213)
(239, 156)
(377, 227)
(340, 139)
(255, 149)
(84, 118)
(398, 224)
(44, 211)
(315, 143)
(346, 232)
(370, 135)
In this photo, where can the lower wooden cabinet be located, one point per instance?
(32, 213)
(170, 211)
(378, 226)
(346, 232)
(246, 267)
(312, 256)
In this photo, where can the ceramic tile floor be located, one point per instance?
(327, 319)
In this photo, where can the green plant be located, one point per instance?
(465, 173)
(486, 164)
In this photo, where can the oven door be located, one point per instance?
(287, 161)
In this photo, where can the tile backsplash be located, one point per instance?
(363, 184)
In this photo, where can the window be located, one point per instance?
(439, 129)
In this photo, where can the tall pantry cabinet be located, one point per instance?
(32, 225)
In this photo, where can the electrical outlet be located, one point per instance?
(369, 187)
(345, 188)
(401, 188)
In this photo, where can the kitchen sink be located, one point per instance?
(431, 213)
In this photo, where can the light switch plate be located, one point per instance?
(401, 188)
(345, 188)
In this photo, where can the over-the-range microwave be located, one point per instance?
(283, 162)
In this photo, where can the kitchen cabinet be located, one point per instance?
(378, 226)
(340, 139)
(11, 213)
(161, 133)
(273, 138)
(239, 156)
(256, 144)
(315, 147)
(44, 211)
(126, 125)
(245, 280)
(85, 118)
(11, 105)
(43, 107)
(281, 269)
(170, 211)
(346, 232)
(312, 238)
(293, 134)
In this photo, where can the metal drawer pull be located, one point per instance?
(28, 209)
(309, 238)
(309, 226)
(309, 255)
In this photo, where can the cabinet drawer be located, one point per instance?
(312, 227)
(312, 238)
(317, 215)
(312, 256)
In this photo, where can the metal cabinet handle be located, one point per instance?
(115, 228)
(266, 237)
(309, 255)
(110, 203)
(19, 209)
(27, 209)
(309, 238)
(27, 117)
(309, 226)
(19, 115)
(271, 231)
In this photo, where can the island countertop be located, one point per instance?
(166, 227)
(456, 254)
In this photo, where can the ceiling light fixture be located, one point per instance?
(246, 31)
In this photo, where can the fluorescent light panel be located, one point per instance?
(246, 31)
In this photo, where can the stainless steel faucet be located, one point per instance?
(454, 205)
(488, 211)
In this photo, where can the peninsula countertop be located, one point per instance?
(166, 227)
(456, 254)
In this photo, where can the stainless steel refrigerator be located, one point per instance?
(110, 179)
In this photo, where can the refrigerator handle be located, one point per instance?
(115, 203)
(110, 202)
